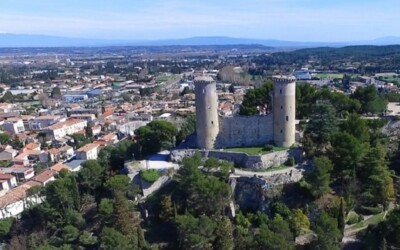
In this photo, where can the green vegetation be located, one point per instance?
(256, 97)
(353, 218)
(382, 233)
(329, 76)
(254, 150)
(81, 140)
(85, 210)
(156, 136)
(150, 175)
(5, 227)
(372, 220)
(188, 127)
(5, 139)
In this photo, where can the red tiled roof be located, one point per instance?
(88, 147)
(44, 176)
(17, 194)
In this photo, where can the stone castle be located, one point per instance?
(216, 131)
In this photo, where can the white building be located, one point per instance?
(14, 126)
(7, 182)
(16, 201)
(5, 107)
(44, 121)
(87, 117)
(74, 98)
(302, 74)
(69, 127)
(87, 152)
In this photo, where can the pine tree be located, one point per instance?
(123, 215)
(167, 209)
(224, 234)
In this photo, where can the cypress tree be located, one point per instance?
(341, 221)
(75, 193)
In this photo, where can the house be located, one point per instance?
(7, 182)
(31, 146)
(5, 107)
(33, 155)
(96, 130)
(75, 165)
(59, 166)
(45, 177)
(75, 98)
(87, 117)
(8, 154)
(21, 159)
(16, 201)
(56, 154)
(40, 122)
(14, 126)
(108, 139)
(87, 152)
(21, 173)
(69, 127)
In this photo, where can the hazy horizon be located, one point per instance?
(291, 20)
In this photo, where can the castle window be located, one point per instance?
(281, 107)
(287, 118)
(280, 91)
(281, 131)
(212, 122)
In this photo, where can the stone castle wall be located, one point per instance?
(245, 131)
(242, 159)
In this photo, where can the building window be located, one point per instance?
(281, 131)
(280, 91)
(287, 118)
(281, 107)
(212, 122)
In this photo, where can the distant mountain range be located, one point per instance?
(20, 40)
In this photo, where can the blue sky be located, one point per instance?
(297, 20)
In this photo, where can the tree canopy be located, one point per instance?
(156, 136)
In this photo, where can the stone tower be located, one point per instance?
(207, 126)
(284, 109)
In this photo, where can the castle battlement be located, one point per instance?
(214, 131)
(283, 79)
(203, 80)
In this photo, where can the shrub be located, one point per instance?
(269, 147)
(5, 227)
(353, 218)
(371, 210)
(290, 162)
(150, 175)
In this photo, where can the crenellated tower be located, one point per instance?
(207, 125)
(284, 110)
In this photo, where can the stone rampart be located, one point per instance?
(242, 159)
(244, 131)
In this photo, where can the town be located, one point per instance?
(97, 116)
